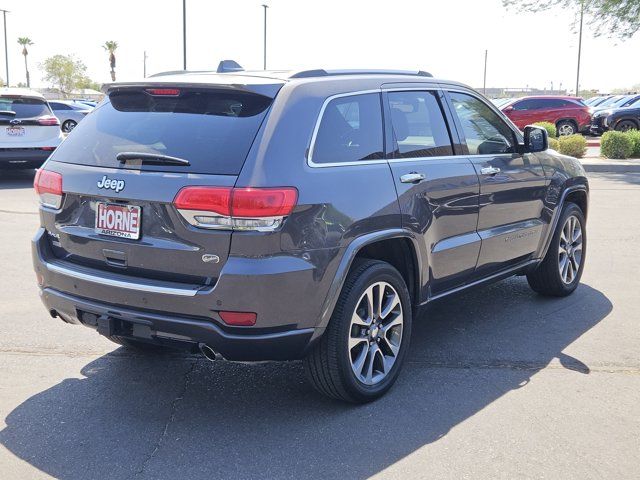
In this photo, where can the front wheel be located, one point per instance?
(561, 269)
(362, 351)
(626, 125)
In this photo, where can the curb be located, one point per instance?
(611, 168)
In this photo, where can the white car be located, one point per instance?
(29, 131)
(69, 113)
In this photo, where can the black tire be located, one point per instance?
(139, 345)
(626, 125)
(68, 125)
(566, 127)
(328, 365)
(547, 279)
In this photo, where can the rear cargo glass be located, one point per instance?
(213, 130)
(23, 107)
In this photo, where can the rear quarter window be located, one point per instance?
(350, 130)
(213, 130)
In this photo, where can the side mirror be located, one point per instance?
(535, 139)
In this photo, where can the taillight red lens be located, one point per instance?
(48, 185)
(242, 319)
(48, 120)
(206, 199)
(238, 202)
(168, 92)
(48, 182)
(263, 202)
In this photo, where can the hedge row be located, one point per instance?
(620, 145)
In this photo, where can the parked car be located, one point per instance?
(617, 101)
(595, 101)
(30, 131)
(569, 114)
(298, 215)
(69, 113)
(620, 119)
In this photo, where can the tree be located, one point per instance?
(25, 42)
(614, 18)
(86, 82)
(64, 71)
(111, 46)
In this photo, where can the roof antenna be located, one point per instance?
(226, 66)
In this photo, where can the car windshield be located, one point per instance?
(24, 107)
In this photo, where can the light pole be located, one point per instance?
(264, 63)
(6, 51)
(184, 34)
(579, 48)
(484, 83)
(144, 65)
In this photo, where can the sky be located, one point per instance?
(447, 38)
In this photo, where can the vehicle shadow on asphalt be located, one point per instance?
(183, 417)
(16, 179)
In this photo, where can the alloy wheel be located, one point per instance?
(566, 129)
(570, 249)
(375, 333)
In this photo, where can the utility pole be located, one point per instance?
(184, 34)
(144, 65)
(6, 51)
(484, 83)
(264, 66)
(579, 49)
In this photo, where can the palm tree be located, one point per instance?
(25, 42)
(111, 46)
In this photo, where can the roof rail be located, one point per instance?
(327, 73)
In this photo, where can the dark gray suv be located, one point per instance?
(298, 215)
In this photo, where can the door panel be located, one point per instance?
(437, 192)
(512, 186)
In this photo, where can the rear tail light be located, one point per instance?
(261, 209)
(48, 186)
(241, 319)
(48, 120)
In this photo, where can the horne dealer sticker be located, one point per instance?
(118, 220)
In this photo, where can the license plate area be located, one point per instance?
(114, 220)
(16, 131)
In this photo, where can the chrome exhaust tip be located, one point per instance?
(209, 353)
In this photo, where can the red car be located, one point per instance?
(569, 114)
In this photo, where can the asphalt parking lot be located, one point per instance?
(500, 383)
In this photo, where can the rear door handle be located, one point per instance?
(412, 177)
(489, 170)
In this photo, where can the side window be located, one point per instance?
(527, 105)
(485, 132)
(59, 106)
(418, 125)
(350, 130)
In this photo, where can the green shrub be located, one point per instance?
(634, 135)
(554, 143)
(616, 145)
(572, 145)
(552, 132)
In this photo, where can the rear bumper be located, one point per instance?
(181, 332)
(285, 292)
(23, 157)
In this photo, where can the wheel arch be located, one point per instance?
(393, 246)
(577, 193)
(570, 120)
(634, 120)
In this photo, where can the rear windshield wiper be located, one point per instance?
(11, 113)
(151, 158)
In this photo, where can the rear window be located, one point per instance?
(23, 107)
(213, 130)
